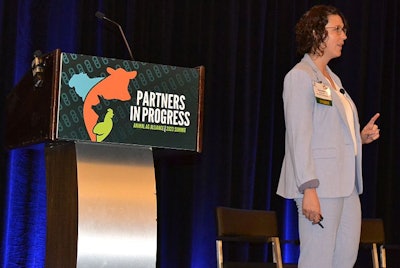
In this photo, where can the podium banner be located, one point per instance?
(129, 102)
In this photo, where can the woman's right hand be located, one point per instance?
(311, 207)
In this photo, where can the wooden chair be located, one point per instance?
(247, 226)
(373, 235)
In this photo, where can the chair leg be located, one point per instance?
(374, 253)
(277, 255)
(220, 258)
(382, 251)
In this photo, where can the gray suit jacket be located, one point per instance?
(318, 143)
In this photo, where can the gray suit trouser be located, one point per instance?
(335, 245)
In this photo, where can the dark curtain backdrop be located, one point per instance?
(246, 48)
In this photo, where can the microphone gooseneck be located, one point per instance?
(101, 15)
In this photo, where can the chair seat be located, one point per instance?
(244, 238)
(257, 265)
(249, 265)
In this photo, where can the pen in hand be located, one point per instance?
(319, 223)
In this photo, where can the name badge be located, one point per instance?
(322, 93)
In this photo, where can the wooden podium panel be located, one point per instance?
(31, 113)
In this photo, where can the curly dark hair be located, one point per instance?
(310, 30)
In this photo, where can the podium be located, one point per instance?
(99, 119)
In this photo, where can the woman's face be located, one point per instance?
(335, 38)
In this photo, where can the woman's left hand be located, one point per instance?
(371, 131)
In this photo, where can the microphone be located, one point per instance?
(342, 91)
(103, 17)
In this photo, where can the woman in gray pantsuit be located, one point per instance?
(321, 169)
